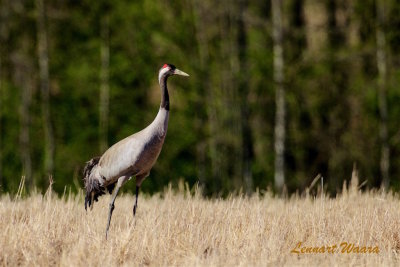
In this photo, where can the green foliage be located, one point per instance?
(330, 80)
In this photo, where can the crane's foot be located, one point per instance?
(109, 218)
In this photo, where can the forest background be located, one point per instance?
(279, 91)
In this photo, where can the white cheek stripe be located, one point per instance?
(162, 72)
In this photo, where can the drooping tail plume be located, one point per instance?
(92, 185)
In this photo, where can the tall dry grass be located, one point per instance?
(183, 229)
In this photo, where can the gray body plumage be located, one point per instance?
(135, 155)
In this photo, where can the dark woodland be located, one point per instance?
(279, 91)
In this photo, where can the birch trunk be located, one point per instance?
(22, 77)
(104, 83)
(279, 142)
(381, 60)
(45, 86)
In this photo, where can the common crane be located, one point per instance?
(133, 156)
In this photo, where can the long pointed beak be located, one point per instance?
(179, 72)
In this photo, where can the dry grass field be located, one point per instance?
(180, 229)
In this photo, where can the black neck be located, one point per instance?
(164, 93)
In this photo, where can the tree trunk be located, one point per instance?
(45, 86)
(337, 122)
(3, 41)
(381, 60)
(26, 100)
(280, 95)
(229, 109)
(202, 21)
(104, 83)
(22, 76)
(1, 113)
(201, 106)
(243, 74)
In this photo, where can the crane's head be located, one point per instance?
(168, 70)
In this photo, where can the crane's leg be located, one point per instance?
(120, 182)
(110, 211)
(137, 195)
(139, 180)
